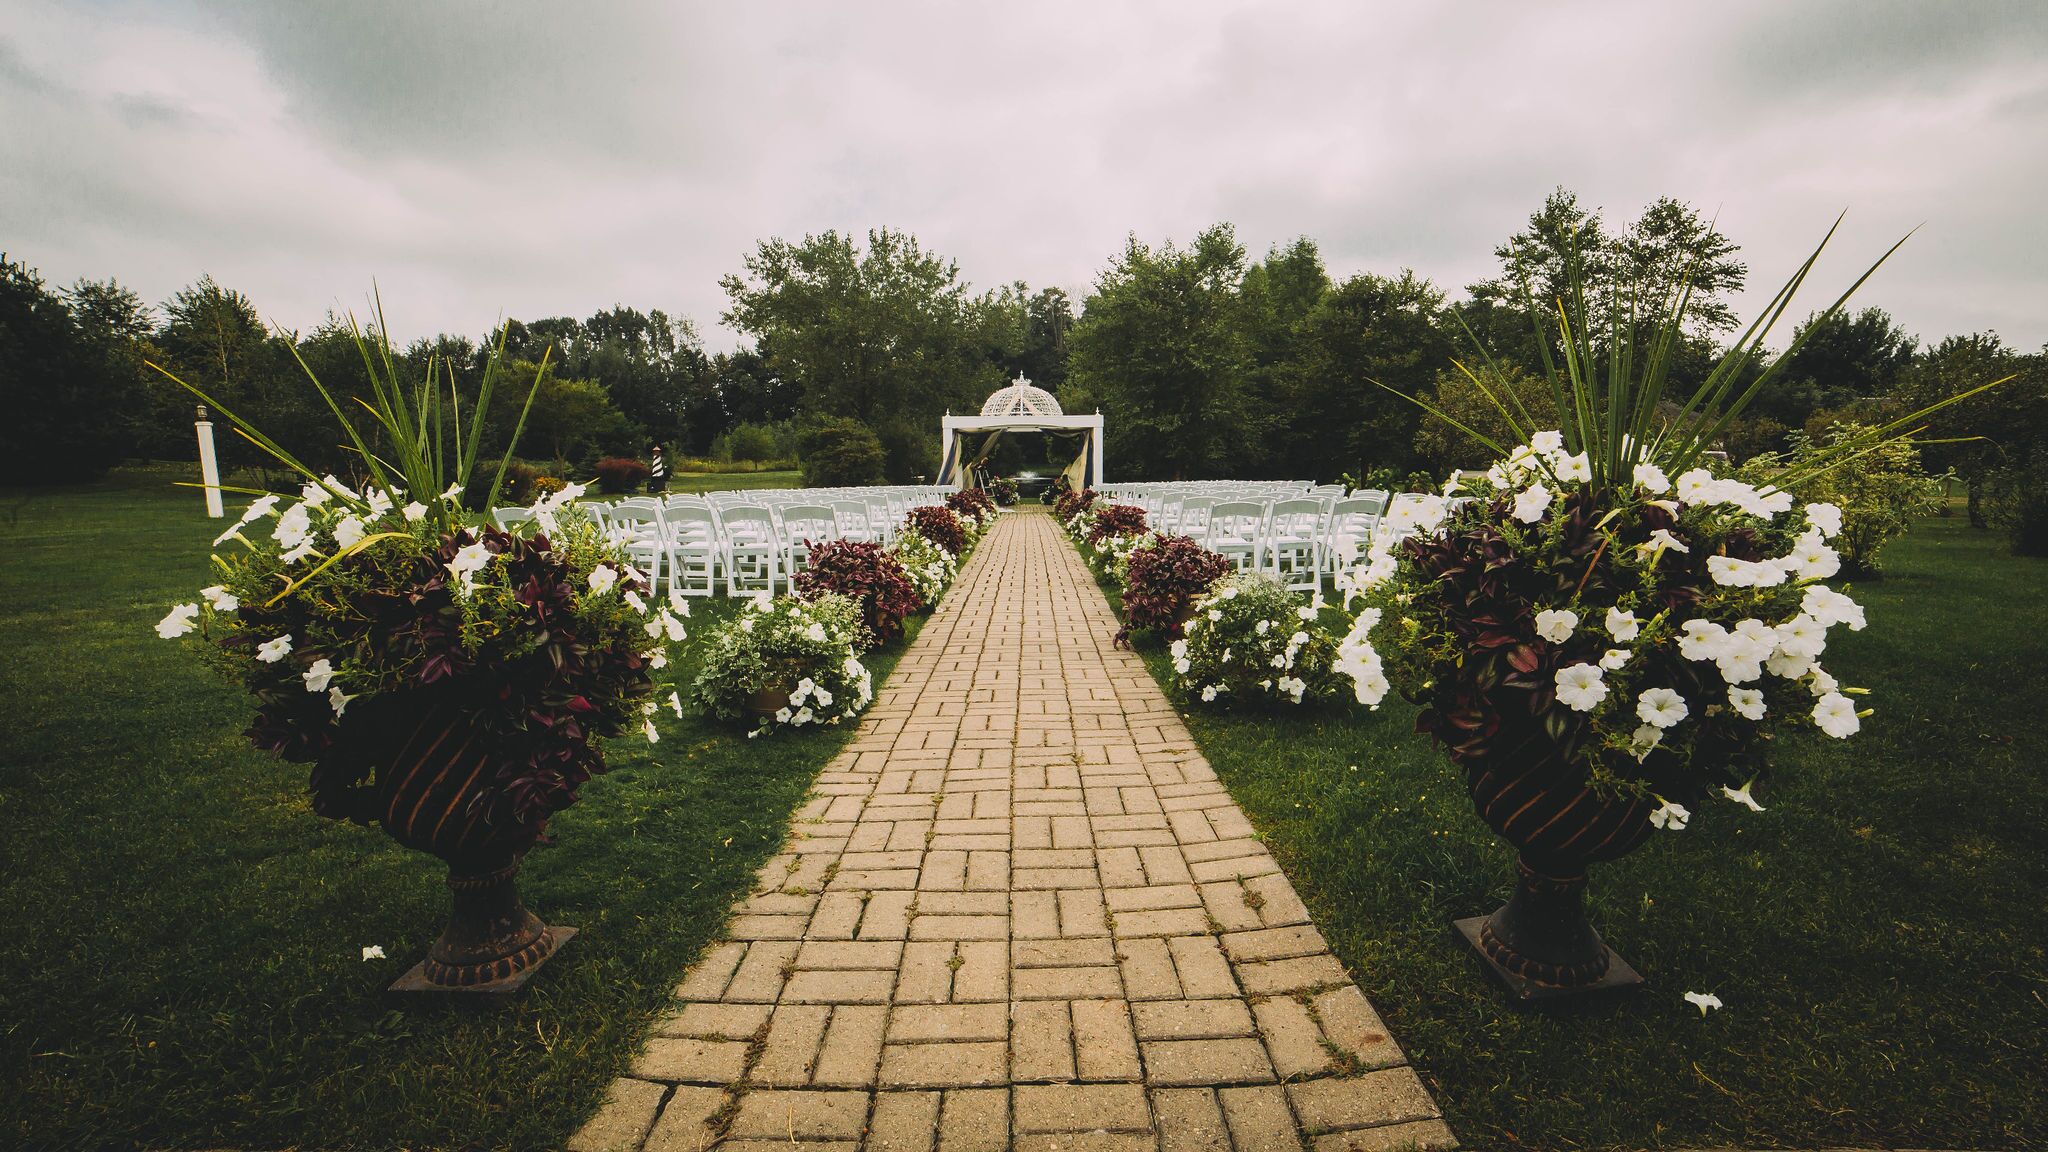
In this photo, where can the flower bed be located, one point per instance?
(871, 577)
(940, 526)
(1162, 576)
(1115, 520)
(1070, 504)
(1253, 643)
(929, 568)
(786, 663)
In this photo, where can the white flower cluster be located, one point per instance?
(1250, 632)
(931, 568)
(773, 638)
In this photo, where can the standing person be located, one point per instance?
(657, 471)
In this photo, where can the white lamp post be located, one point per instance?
(209, 465)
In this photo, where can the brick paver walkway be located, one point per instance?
(1020, 912)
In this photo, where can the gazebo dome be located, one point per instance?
(1020, 398)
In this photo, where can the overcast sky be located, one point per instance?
(480, 160)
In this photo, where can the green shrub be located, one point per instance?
(841, 453)
(2018, 502)
(747, 442)
(1252, 643)
(798, 656)
(1879, 491)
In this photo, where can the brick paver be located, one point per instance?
(1020, 912)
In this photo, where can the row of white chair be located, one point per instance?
(1299, 533)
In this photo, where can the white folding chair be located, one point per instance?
(853, 522)
(640, 529)
(1236, 532)
(693, 550)
(507, 517)
(803, 525)
(1294, 543)
(749, 549)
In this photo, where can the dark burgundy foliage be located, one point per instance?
(532, 706)
(941, 527)
(1072, 502)
(868, 574)
(972, 502)
(1116, 520)
(1498, 711)
(617, 474)
(1004, 490)
(1162, 581)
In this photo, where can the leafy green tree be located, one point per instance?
(1976, 437)
(1442, 446)
(1845, 356)
(1048, 318)
(1161, 347)
(841, 452)
(572, 420)
(62, 397)
(745, 390)
(213, 339)
(1368, 332)
(881, 333)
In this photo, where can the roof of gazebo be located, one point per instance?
(1020, 398)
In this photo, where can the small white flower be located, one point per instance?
(318, 675)
(1661, 707)
(1215, 615)
(178, 621)
(1702, 640)
(373, 952)
(672, 626)
(1789, 666)
(1741, 796)
(1820, 682)
(1703, 1001)
(415, 511)
(658, 658)
(299, 553)
(1622, 625)
(338, 700)
(1229, 593)
(468, 561)
(1547, 442)
(1811, 559)
(1801, 637)
(675, 702)
(453, 491)
(1747, 702)
(1696, 486)
(746, 625)
(1660, 542)
(313, 494)
(803, 716)
(380, 502)
(816, 633)
(1614, 658)
(1305, 613)
(1183, 665)
(647, 726)
(1831, 608)
(1208, 694)
(349, 532)
(1672, 816)
(1836, 716)
(1556, 624)
(1651, 479)
(1644, 741)
(1531, 503)
(1580, 688)
(1825, 517)
(782, 715)
(633, 601)
(292, 527)
(602, 578)
(1179, 649)
(1262, 627)
(1577, 469)
(822, 698)
(271, 651)
(220, 599)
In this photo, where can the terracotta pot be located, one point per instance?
(430, 792)
(1541, 942)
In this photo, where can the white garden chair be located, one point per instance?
(1236, 531)
(749, 549)
(694, 548)
(803, 525)
(1294, 543)
(641, 530)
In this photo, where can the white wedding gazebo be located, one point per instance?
(1019, 406)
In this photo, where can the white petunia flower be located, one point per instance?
(1748, 702)
(1702, 640)
(1576, 469)
(349, 532)
(1651, 479)
(1831, 608)
(1697, 486)
(816, 633)
(1556, 624)
(1262, 627)
(782, 715)
(1836, 716)
(1531, 503)
(1644, 740)
(822, 697)
(1580, 688)
(318, 675)
(634, 601)
(803, 716)
(1208, 694)
(653, 736)
(1672, 816)
(415, 511)
(313, 494)
(299, 553)
(1547, 442)
(1811, 559)
(1305, 613)
(1825, 517)
(1621, 625)
(1802, 637)
(1614, 658)
(468, 561)
(380, 502)
(453, 491)
(672, 626)
(658, 658)
(177, 622)
(292, 527)
(1741, 796)
(1661, 707)
(1660, 542)
(271, 651)
(1820, 682)
(373, 952)
(675, 702)
(1703, 1001)
(1788, 666)
(338, 700)
(602, 578)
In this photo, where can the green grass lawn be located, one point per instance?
(183, 965)
(1877, 936)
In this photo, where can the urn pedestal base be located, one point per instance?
(492, 945)
(415, 978)
(1541, 947)
(1526, 993)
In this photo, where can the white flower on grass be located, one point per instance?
(675, 702)
(1703, 1001)
(1660, 542)
(1820, 682)
(468, 561)
(1556, 624)
(1783, 663)
(803, 716)
(647, 727)
(1836, 716)
(1622, 625)
(1580, 688)
(1576, 469)
(1531, 503)
(1741, 796)
(672, 626)
(1183, 665)
(1208, 693)
(602, 578)
(349, 532)
(373, 952)
(338, 700)
(271, 651)
(318, 676)
(1826, 518)
(782, 715)
(1614, 658)
(658, 658)
(313, 494)
(1672, 816)
(677, 602)
(1547, 442)
(178, 621)
(1831, 608)
(415, 511)
(1651, 479)
(1747, 702)
(1179, 649)
(1801, 637)
(1660, 707)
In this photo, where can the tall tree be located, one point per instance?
(1367, 332)
(1161, 347)
(1985, 431)
(1846, 356)
(63, 403)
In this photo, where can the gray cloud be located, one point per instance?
(542, 159)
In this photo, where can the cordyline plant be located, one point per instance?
(871, 577)
(359, 609)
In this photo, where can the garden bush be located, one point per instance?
(1879, 491)
(1253, 643)
(1116, 520)
(617, 475)
(868, 575)
(2017, 501)
(941, 527)
(548, 485)
(975, 503)
(1004, 490)
(841, 453)
(1162, 576)
(929, 567)
(795, 655)
(1071, 504)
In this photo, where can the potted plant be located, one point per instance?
(1600, 632)
(1250, 643)
(448, 682)
(788, 662)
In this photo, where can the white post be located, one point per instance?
(209, 465)
(1095, 446)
